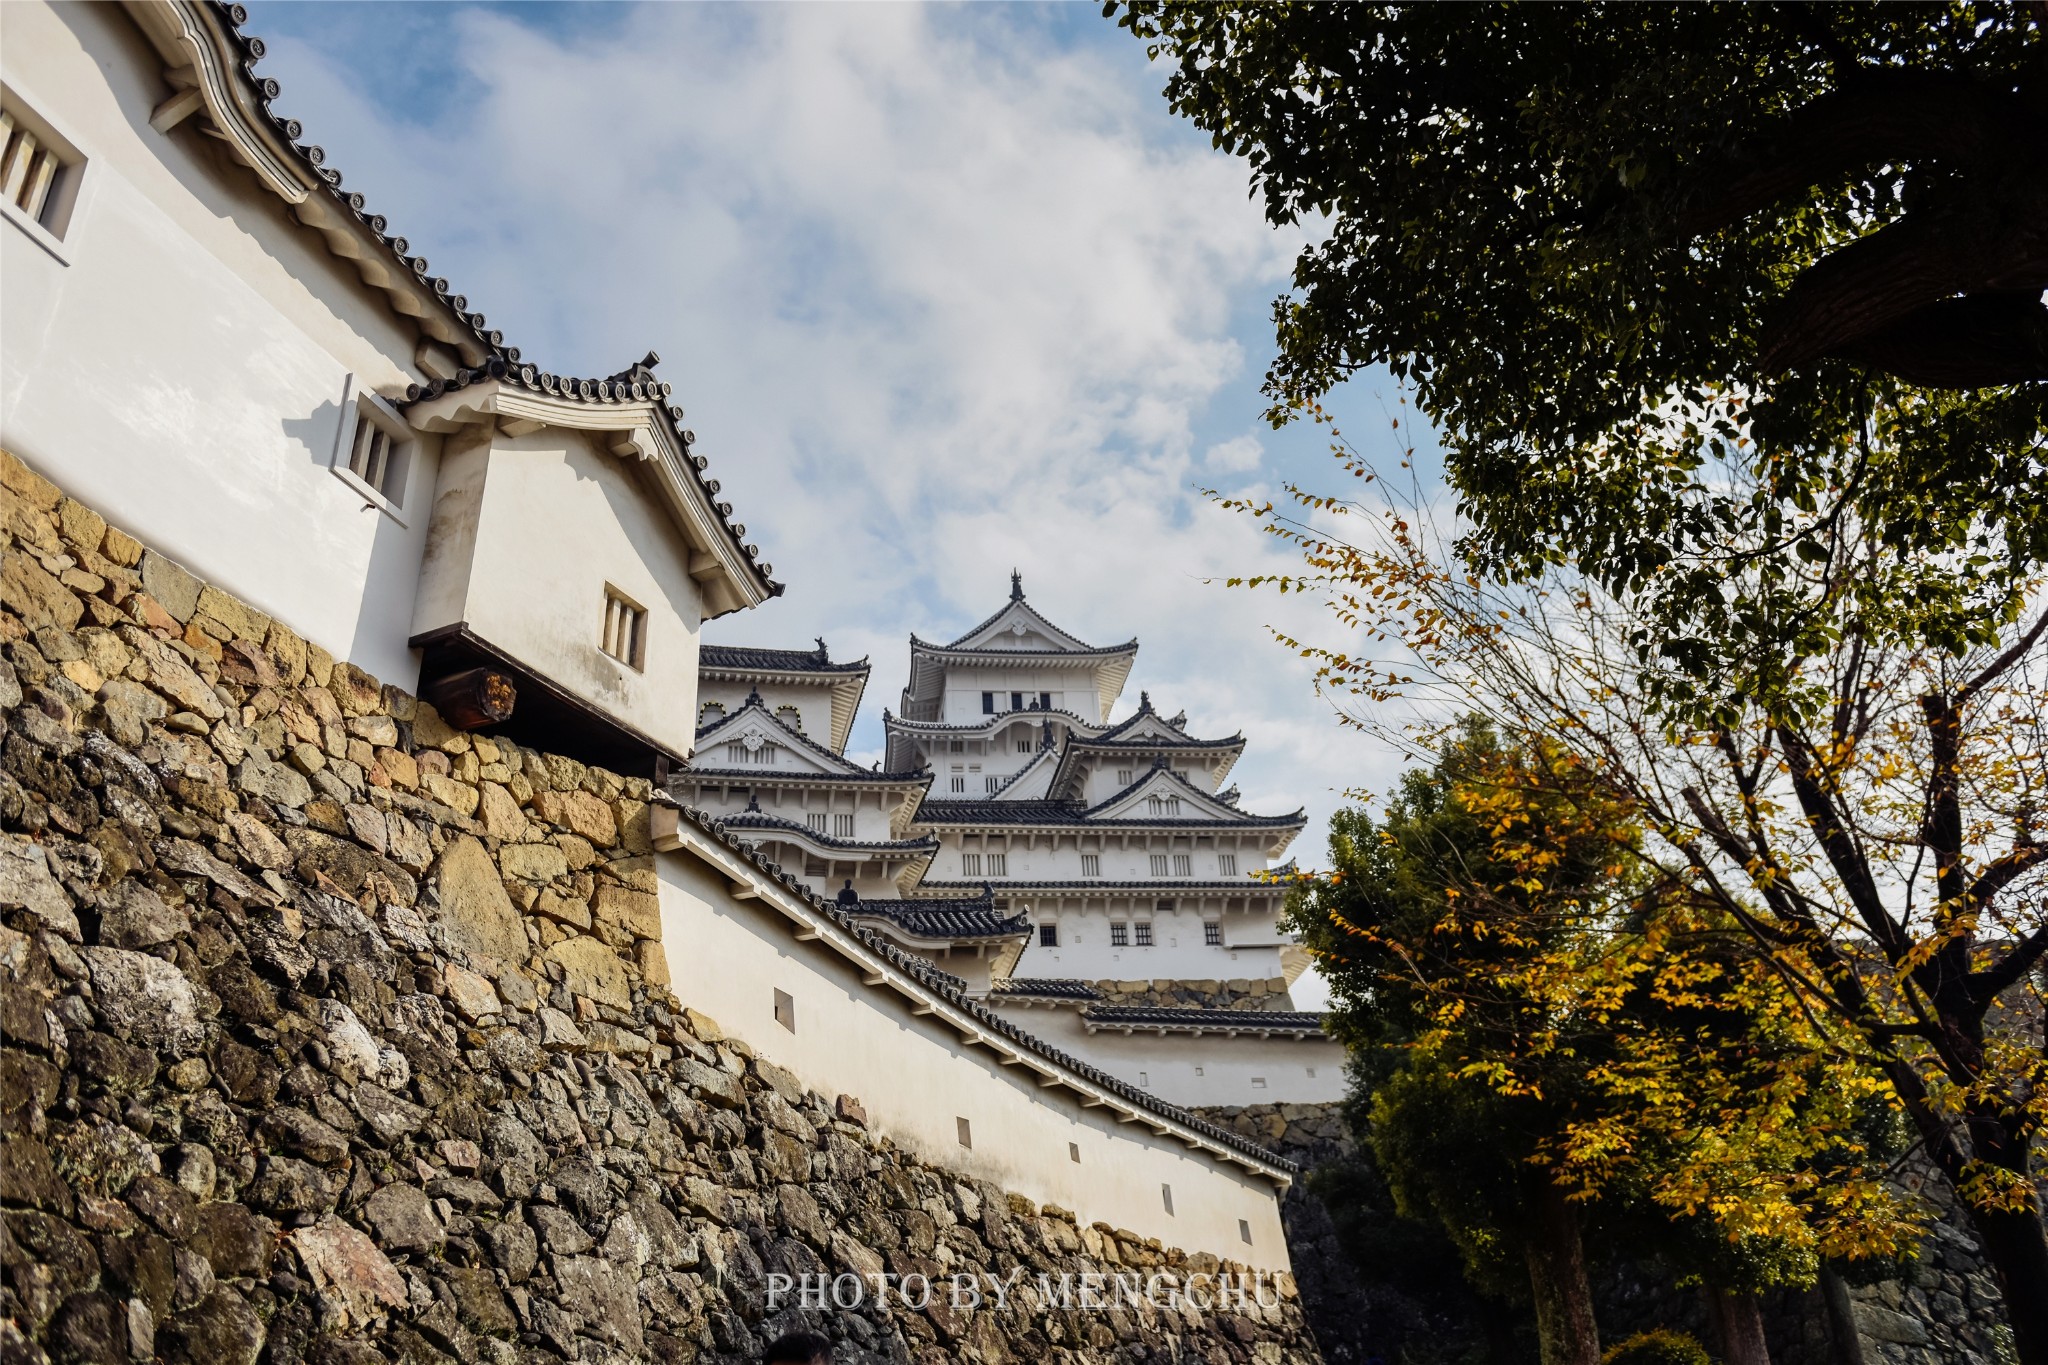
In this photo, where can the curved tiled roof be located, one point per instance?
(1160, 885)
(953, 919)
(983, 652)
(909, 778)
(1046, 988)
(763, 822)
(490, 356)
(950, 989)
(984, 812)
(1203, 1021)
(751, 659)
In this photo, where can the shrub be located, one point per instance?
(1657, 1348)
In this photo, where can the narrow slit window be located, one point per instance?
(970, 864)
(1181, 866)
(38, 170)
(1226, 863)
(966, 1132)
(998, 864)
(625, 629)
(842, 826)
(1166, 1197)
(816, 821)
(1159, 864)
(1123, 777)
(785, 1010)
(1244, 1231)
(1074, 1152)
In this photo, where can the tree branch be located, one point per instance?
(1987, 985)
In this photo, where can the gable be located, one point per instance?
(753, 738)
(1160, 795)
(1018, 626)
(1033, 781)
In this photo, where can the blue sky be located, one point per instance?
(944, 290)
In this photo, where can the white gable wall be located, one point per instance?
(1192, 1070)
(528, 534)
(813, 703)
(182, 369)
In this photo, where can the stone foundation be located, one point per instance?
(1239, 993)
(335, 1035)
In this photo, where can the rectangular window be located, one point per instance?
(1244, 1231)
(1123, 777)
(1226, 863)
(1091, 864)
(991, 782)
(842, 826)
(998, 864)
(1159, 864)
(1181, 866)
(1045, 701)
(1163, 805)
(966, 1131)
(1311, 1073)
(970, 864)
(1144, 1081)
(1212, 934)
(1258, 1082)
(1119, 935)
(958, 781)
(1163, 907)
(625, 628)
(785, 1010)
(1048, 936)
(1166, 1197)
(373, 451)
(816, 820)
(39, 171)
(1016, 701)
(813, 869)
(1144, 935)
(1074, 1152)
(958, 746)
(988, 706)
(1024, 745)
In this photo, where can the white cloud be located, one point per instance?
(1235, 455)
(942, 293)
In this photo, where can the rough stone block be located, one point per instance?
(582, 813)
(653, 960)
(172, 586)
(593, 970)
(356, 692)
(637, 912)
(474, 908)
(243, 621)
(36, 595)
(533, 862)
(120, 547)
(81, 527)
(19, 479)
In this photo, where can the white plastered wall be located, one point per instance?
(727, 958)
(182, 368)
(1186, 1069)
(528, 533)
(813, 703)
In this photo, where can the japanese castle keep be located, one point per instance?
(1093, 879)
(416, 942)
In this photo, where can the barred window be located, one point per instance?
(1226, 863)
(1159, 864)
(970, 864)
(1048, 936)
(1119, 935)
(842, 826)
(1091, 864)
(1212, 934)
(1144, 935)
(625, 628)
(1182, 867)
(998, 864)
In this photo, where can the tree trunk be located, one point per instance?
(1739, 1323)
(1842, 1329)
(2016, 1246)
(1557, 1273)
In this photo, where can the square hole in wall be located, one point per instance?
(1311, 1072)
(1258, 1082)
(1200, 1072)
(1144, 1081)
(1074, 1152)
(966, 1132)
(1166, 1197)
(785, 1010)
(1244, 1231)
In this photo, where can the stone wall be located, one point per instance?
(1238, 993)
(334, 1035)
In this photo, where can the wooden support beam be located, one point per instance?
(473, 698)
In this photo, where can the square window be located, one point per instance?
(1226, 863)
(1212, 934)
(1024, 745)
(1048, 936)
(40, 171)
(991, 782)
(1119, 935)
(998, 864)
(988, 708)
(966, 1132)
(625, 628)
(1123, 777)
(1166, 1197)
(373, 448)
(842, 826)
(1244, 1231)
(1159, 864)
(1200, 1072)
(970, 864)
(785, 1010)
(1144, 935)
(1074, 1152)
(1091, 864)
(816, 820)
(1182, 867)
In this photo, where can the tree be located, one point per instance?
(1546, 1024)
(1576, 228)
(1870, 822)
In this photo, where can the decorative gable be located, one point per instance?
(1162, 794)
(754, 739)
